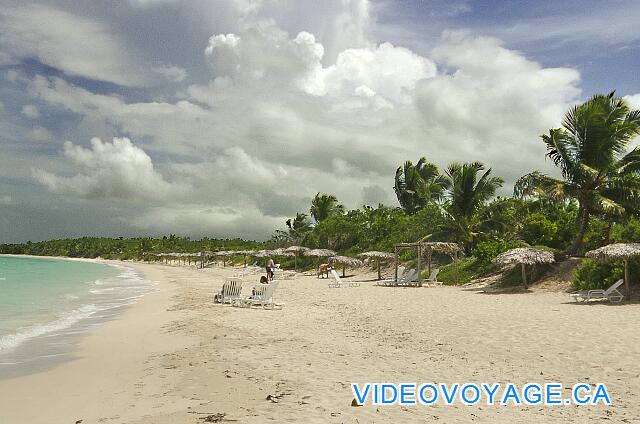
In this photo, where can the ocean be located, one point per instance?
(46, 305)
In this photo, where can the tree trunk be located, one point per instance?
(627, 289)
(584, 224)
(607, 232)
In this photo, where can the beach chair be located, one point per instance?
(433, 278)
(231, 290)
(407, 279)
(611, 294)
(263, 295)
(391, 281)
(338, 281)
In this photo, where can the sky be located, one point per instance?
(222, 118)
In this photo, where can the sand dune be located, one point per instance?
(175, 357)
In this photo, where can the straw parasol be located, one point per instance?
(378, 256)
(524, 256)
(224, 254)
(262, 253)
(623, 251)
(281, 252)
(345, 261)
(320, 253)
(295, 250)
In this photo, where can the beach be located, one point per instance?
(176, 357)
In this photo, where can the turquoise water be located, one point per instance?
(46, 304)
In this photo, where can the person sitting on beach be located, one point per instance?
(263, 280)
(270, 267)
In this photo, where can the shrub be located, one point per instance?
(538, 229)
(486, 251)
(592, 274)
(467, 269)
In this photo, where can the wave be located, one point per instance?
(103, 299)
(10, 341)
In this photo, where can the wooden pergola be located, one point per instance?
(428, 247)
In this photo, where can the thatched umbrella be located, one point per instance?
(295, 250)
(623, 251)
(244, 254)
(320, 253)
(451, 249)
(378, 256)
(345, 261)
(524, 256)
(224, 254)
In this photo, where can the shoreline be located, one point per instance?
(39, 345)
(176, 358)
(108, 357)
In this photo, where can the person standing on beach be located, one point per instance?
(270, 266)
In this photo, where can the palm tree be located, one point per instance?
(325, 205)
(416, 186)
(465, 195)
(590, 151)
(298, 227)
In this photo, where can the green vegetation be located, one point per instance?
(597, 173)
(596, 201)
(122, 248)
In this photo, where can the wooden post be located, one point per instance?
(343, 268)
(627, 289)
(395, 262)
(419, 265)
(379, 275)
(429, 261)
(524, 275)
(455, 261)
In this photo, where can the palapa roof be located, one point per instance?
(615, 251)
(442, 246)
(345, 260)
(524, 255)
(320, 252)
(281, 252)
(245, 252)
(262, 253)
(296, 249)
(377, 255)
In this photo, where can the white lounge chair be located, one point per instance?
(407, 279)
(433, 278)
(263, 295)
(231, 290)
(393, 280)
(338, 281)
(611, 294)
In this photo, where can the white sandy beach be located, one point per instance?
(175, 357)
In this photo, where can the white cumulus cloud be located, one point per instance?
(108, 170)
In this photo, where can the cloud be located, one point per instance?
(6, 200)
(172, 73)
(74, 44)
(493, 103)
(38, 133)
(108, 170)
(144, 3)
(633, 100)
(286, 110)
(30, 111)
